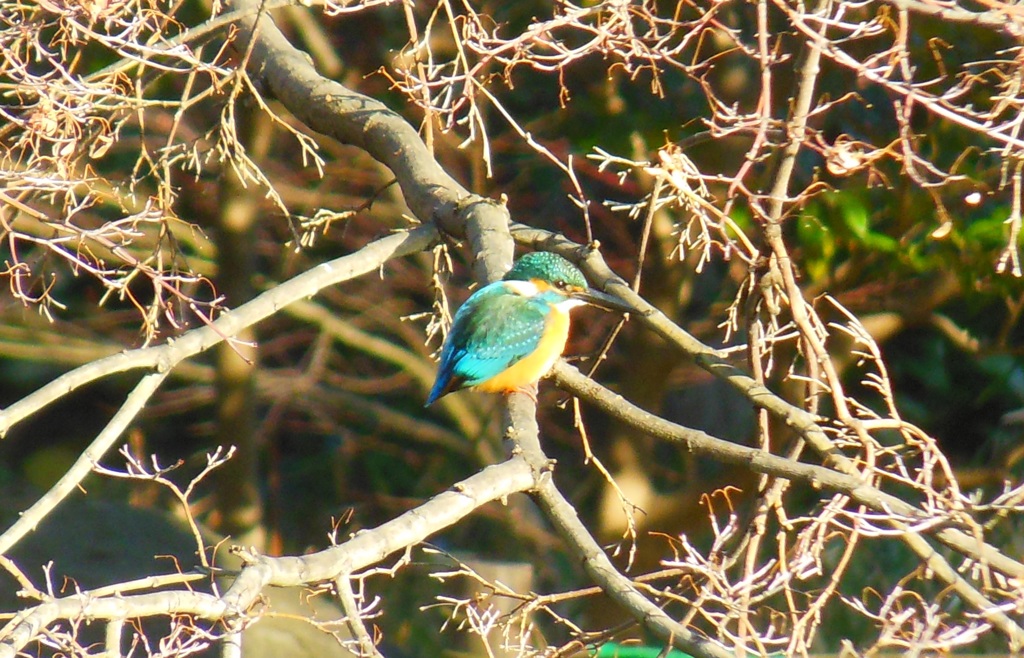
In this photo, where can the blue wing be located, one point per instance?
(491, 331)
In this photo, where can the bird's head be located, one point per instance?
(545, 274)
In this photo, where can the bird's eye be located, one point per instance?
(562, 285)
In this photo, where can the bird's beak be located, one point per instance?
(602, 300)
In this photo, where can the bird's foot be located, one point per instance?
(529, 390)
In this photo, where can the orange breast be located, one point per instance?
(535, 365)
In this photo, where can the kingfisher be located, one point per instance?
(509, 333)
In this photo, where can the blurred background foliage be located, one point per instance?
(337, 424)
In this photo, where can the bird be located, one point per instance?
(509, 334)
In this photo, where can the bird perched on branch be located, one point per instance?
(509, 333)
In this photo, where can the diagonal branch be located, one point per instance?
(133, 405)
(759, 461)
(582, 544)
(166, 357)
(364, 549)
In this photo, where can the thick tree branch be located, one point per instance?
(332, 109)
